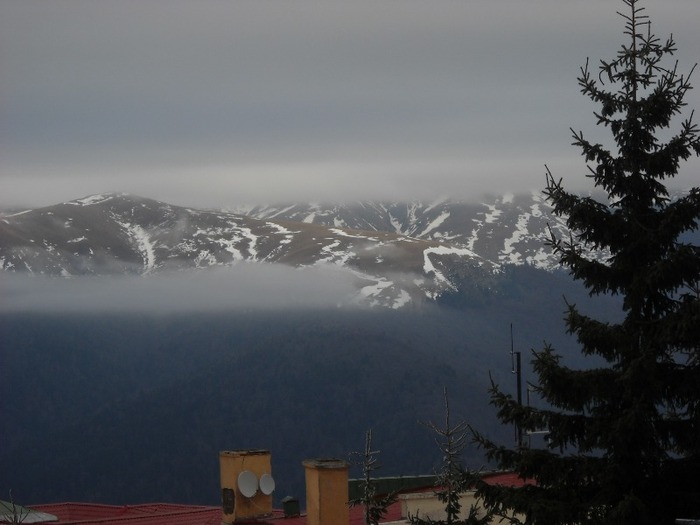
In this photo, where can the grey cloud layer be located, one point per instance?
(220, 101)
(248, 286)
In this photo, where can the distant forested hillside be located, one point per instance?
(133, 408)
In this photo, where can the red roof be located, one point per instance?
(171, 514)
(507, 479)
(147, 514)
(174, 514)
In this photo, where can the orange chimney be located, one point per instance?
(326, 492)
(246, 484)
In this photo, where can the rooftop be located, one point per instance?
(170, 514)
(177, 514)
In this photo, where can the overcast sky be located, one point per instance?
(213, 102)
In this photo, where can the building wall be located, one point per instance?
(426, 505)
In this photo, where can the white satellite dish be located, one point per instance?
(247, 483)
(267, 484)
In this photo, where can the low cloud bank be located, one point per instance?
(244, 286)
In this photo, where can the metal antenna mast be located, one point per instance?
(517, 370)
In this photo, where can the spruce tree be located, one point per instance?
(624, 433)
(375, 505)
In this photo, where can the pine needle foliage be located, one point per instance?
(375, 506)
(624, 435)
(451, 440)
(452, 479)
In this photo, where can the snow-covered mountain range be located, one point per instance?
(506, 229)
(398, 253)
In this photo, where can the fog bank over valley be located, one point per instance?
(243, 286)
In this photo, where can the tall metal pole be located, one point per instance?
(518, 374)
(517, 370)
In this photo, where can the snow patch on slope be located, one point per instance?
(375, 290)
(330, 255)
(435, 223)
(252, 244)
(509, 254)
(143, 244)
(429, 267)
(343, 233)
(436, 202)
(17, 214)
(92, 199)
(493, 214)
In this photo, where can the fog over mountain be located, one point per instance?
(364, 253)
(277, 225)
(248, 287)
(140, 338)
